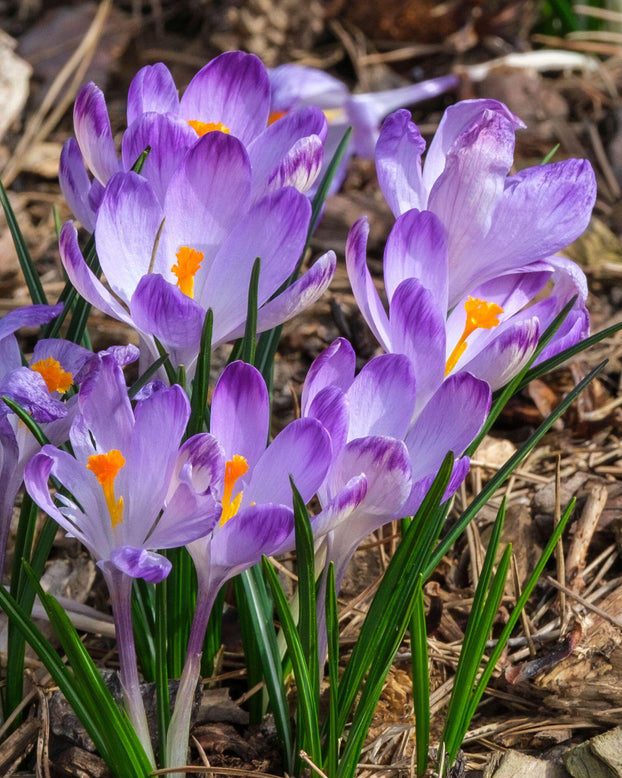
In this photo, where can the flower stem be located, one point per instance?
(120, 588)
(179, 728)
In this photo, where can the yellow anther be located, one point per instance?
(234, 469)
(56, 379)
(105, 467)
(480, 315)
(188, 262)
(202, 128)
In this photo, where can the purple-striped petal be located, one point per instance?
(168, 138)
(205, 199)
(75, 184)
(398, 163)
(333, 367)
(27, 388)
(303, 451)
(160, 309)
(152, 89)
(330, 407)
(294, 86)
(418, 330)
(275, 230)
(382, 397)
(463, 399)
(127, 225)
(362, 283)
(83, 278)
(417, 248)
(71, 357)
(28, 316)
(91, 125)
(240, 413)
(233, 89)
(139, 563)
(186, 518)
(200, 463)
(288, 152)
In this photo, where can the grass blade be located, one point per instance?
(332, 630)
(249, 341)
(421, 681)
(200, 383)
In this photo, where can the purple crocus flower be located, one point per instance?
(257, 516)
(231, 94)
(132, 489)
(490, 333)
(297, 86)
(494, 223)
(377, 429)
(166, 265)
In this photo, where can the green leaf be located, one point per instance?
(259, 609)
(249, 341)
(305, 560)
(550, 155)
(146, 376)
(421, 681)
(200, 383)
(168, 367)
(33, 282)
(501, 475)
(332, 632)
(137, 167)
(327, 179)
(308, 724)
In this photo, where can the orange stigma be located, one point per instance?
(234, 469)
(105, 467)
(481, 315)
(56, 379)
(275, 116)
(202, 128)
(188, 262)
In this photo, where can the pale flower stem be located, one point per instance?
(120, 588)
(179, 728)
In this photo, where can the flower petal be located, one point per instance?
(75, 184)
(139, 563)
(398, 163)
(330, 407)
(333, 367)
(93, 133)
(232, 89)
(28, 316)
(362, 283)
(417, 248)
(152, 89)
(382, 397)
(27, 388)
(301, 451)
(294, 86)
(240, 413)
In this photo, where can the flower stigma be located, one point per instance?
(188, 263)
(481, 315)
(56, 379)
(234, 469)
(202, 128)
(105, 467)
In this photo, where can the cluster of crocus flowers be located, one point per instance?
(226, 181)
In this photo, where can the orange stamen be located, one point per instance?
(188, 262)
(105, 467)
(234, 469)
(56, 379)
(202, 128)
(480, 315)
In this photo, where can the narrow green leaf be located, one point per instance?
(168, 367)
(550, 155)
(322, 191)
(501, 475)
(260, 611)
(181, 590)
(249, 341)
(76, 331)
(137, 167)
(308, 724)
(332, 632)
(305, 560)
(421, 681)
(57, 222)
(200, 383)
(33, 282)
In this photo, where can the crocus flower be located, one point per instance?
(132, 489)
(491, 333)
(231, 94)
(257, 516)
(494, 223)
(297, 86)
(377, 429)
(166, 265)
